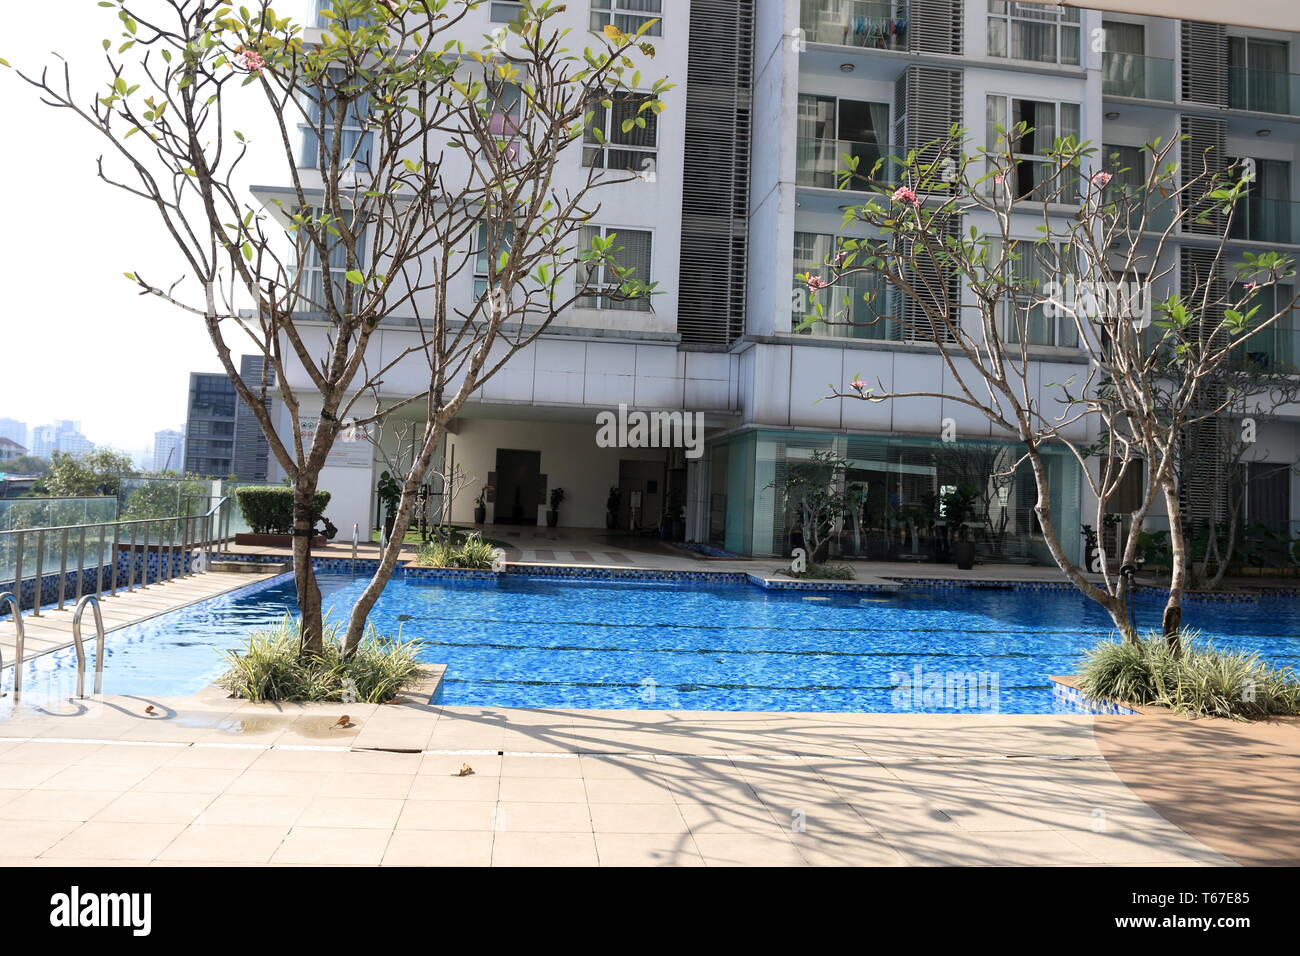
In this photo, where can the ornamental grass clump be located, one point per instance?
(470, 552)
(1200, 681)
(271, 667)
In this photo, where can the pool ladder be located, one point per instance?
(20, 637)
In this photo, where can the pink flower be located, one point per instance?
(999, 179)
(1250, 286)
(816, 283)
(857, 385)
(1101, 179)
(904, 195)
(250, 60)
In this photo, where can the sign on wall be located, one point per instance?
(352, 448)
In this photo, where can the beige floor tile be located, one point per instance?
(283, 783)
(941, 848)
(475, 787)
(542, 817)
(41, 752)
(171, 779)
(1149, 846)
(542, 790)
(514, 766)
(620, 768)
(447, 815)
(140, 807)
(744, 849)
(240, 809)
(378, 761)
(310, 761)
(647, 849)
(333, 846)
(7, 795)
(846, 849)
(82, 777)
(439, 848)
(232, 844)
(544, 849)
(24, 776)
(78, 805)
(351, 813)
(740, 818)
(439, 765)
(1035, 848)
(117, 755)
(350, 783)
(111, 840)
(30, 838)
(629, 791)
(637, 818)
(216, 758)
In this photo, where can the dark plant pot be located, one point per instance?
(552, 519)
(611, 520)
(679, 529)
(963, 552)
(274, 540)
(389, 522)
(480, 514)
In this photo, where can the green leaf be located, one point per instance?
(355, 277)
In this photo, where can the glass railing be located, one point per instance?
(1142, 77)
(863, 310)
(1152, 214)
(820, 161)
(861, 23)
(1263, 91)
(1266, 220)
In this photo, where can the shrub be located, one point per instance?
(470, 552)
(1201, 681)
(270, 510)
(825, 572)
(270, 667)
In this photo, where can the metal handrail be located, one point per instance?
(77, 642)
(19, 638)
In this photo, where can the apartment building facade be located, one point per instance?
(769, 96)
(222, 438)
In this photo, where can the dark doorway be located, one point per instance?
(519, 486)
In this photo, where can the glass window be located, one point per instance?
(627, 15)
(1033, 174)
(312, 275)
(1257, 74)
(354, 140)
(1272, 349)
(504, 11)
(830, 128)
(856, 307)
(634, 255)
(487, 250)
(634, 150)
(1032, 31)
(1027, 317)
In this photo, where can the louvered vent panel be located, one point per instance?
(936, 293)
(935, 26)
(1203, 466)
(1205, 63)
(1203, 149)
(715, 193)
(927, 104)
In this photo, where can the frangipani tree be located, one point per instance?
(1052, 240)
(404, 157)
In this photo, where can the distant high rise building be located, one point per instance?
(63, 436)
(14, 430)
(168, 450)
(10, 449)
(222, 437)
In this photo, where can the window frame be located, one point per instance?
(888, 327)
(1037, 159)
(1058, 18)
(591, 148)
(600, 302)
(1015, 307)
(360, 155)
(605, 12)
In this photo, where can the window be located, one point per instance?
(1033, 175)
(504, 11)
(311, 288)
(354, 140)
(488, 251)
(1273, 349)
(1124, 68)
(1268, 495)
(635, 150)
(1032, 31)
(854, 308)
(626, 15)
(633, 253)
(830, 128)
(325, 22)
(1257, 75)
(1267, 213)
(1027, 317)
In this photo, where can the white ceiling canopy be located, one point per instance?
(1264, 14)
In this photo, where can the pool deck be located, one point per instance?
(210, 780)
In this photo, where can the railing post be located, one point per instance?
(99, 561)
(63, 567)
(116, 554)
(130, 563)
(19, 640)
(356, 530)
(81, 558)
(80, 648)
(144, 560)
(40, 573)
(18, 568)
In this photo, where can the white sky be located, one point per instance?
(76, 340)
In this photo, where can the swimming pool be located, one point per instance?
(546, 642)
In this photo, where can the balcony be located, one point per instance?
(819, 161)
(1141, 77)
(1263, 91)
(1266, 220)
(860, 23)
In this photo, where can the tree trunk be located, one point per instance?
(304, 576)
(1171, 622)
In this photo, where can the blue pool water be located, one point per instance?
(533, 642)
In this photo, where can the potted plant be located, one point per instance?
(480, 506)
(553, 516)
(959, 508)
(390, 496)
(611, 507)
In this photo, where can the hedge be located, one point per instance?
(270, 510)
